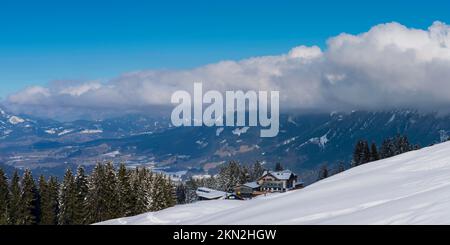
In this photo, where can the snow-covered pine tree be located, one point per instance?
(229, 176)
(181, 193)
(161, 193)
(15, 204)
(170, 192)
(256, 171)
(402, 144)
(110, 191)
(81, 190)
(125, 192)
(4, 198)
(47, 217)
(156, 193)
(30, 212)
(95, 200)
(140, 196)
(102, 198)
(191, 187)
(244, 175)
(210, 182)
(223, 177)
(67, 200)
(53, 192)
(148, 186)
(237, 175)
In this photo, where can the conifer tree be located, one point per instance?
(402, 144)
(244, 175)
(416, 147)
(365, 155)
(357, 153)
(170, 193)
(278, 167)
(102, 199)
(340, 167)
(191, 187)
(30, 212)
(140, 195)
(392, 147)
(148, 182)
(81, 190)
(374, 156)
(15, 204)
(110, 189)
(156, 194)
(257, 171)
(229, 176)
(161, 193)
(67, 200)
(323, 172)
(96, 205)
(49, 200)
(46, 208)
(53, 198)
(384, 149)
(209, 182)
(181, 193)
(126, 197)
(4, 199)
(361, 154)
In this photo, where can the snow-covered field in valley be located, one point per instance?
(412, 188)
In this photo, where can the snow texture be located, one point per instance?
(15, 120)
(239, 131)
(92, 131)
(219, 131)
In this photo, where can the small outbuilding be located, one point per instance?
(248, 190)
(204, 193)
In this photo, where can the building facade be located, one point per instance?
(278, 181)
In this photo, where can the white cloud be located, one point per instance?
(80, 89)
(304, 52)
(30, 95)
(389, 66)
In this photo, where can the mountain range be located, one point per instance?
(305, 141)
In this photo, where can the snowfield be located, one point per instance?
(412, 188)
(15, 120)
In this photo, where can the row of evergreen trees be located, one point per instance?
(105, 194)
(390, 147)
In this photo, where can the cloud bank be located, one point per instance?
(390, 66)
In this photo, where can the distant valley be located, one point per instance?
(305, 141)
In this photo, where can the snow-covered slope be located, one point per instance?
(413, 188)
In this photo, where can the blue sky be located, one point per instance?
(41, 41)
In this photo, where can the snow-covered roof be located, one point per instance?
(281, 175)
(210, 193)
(251, 185)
